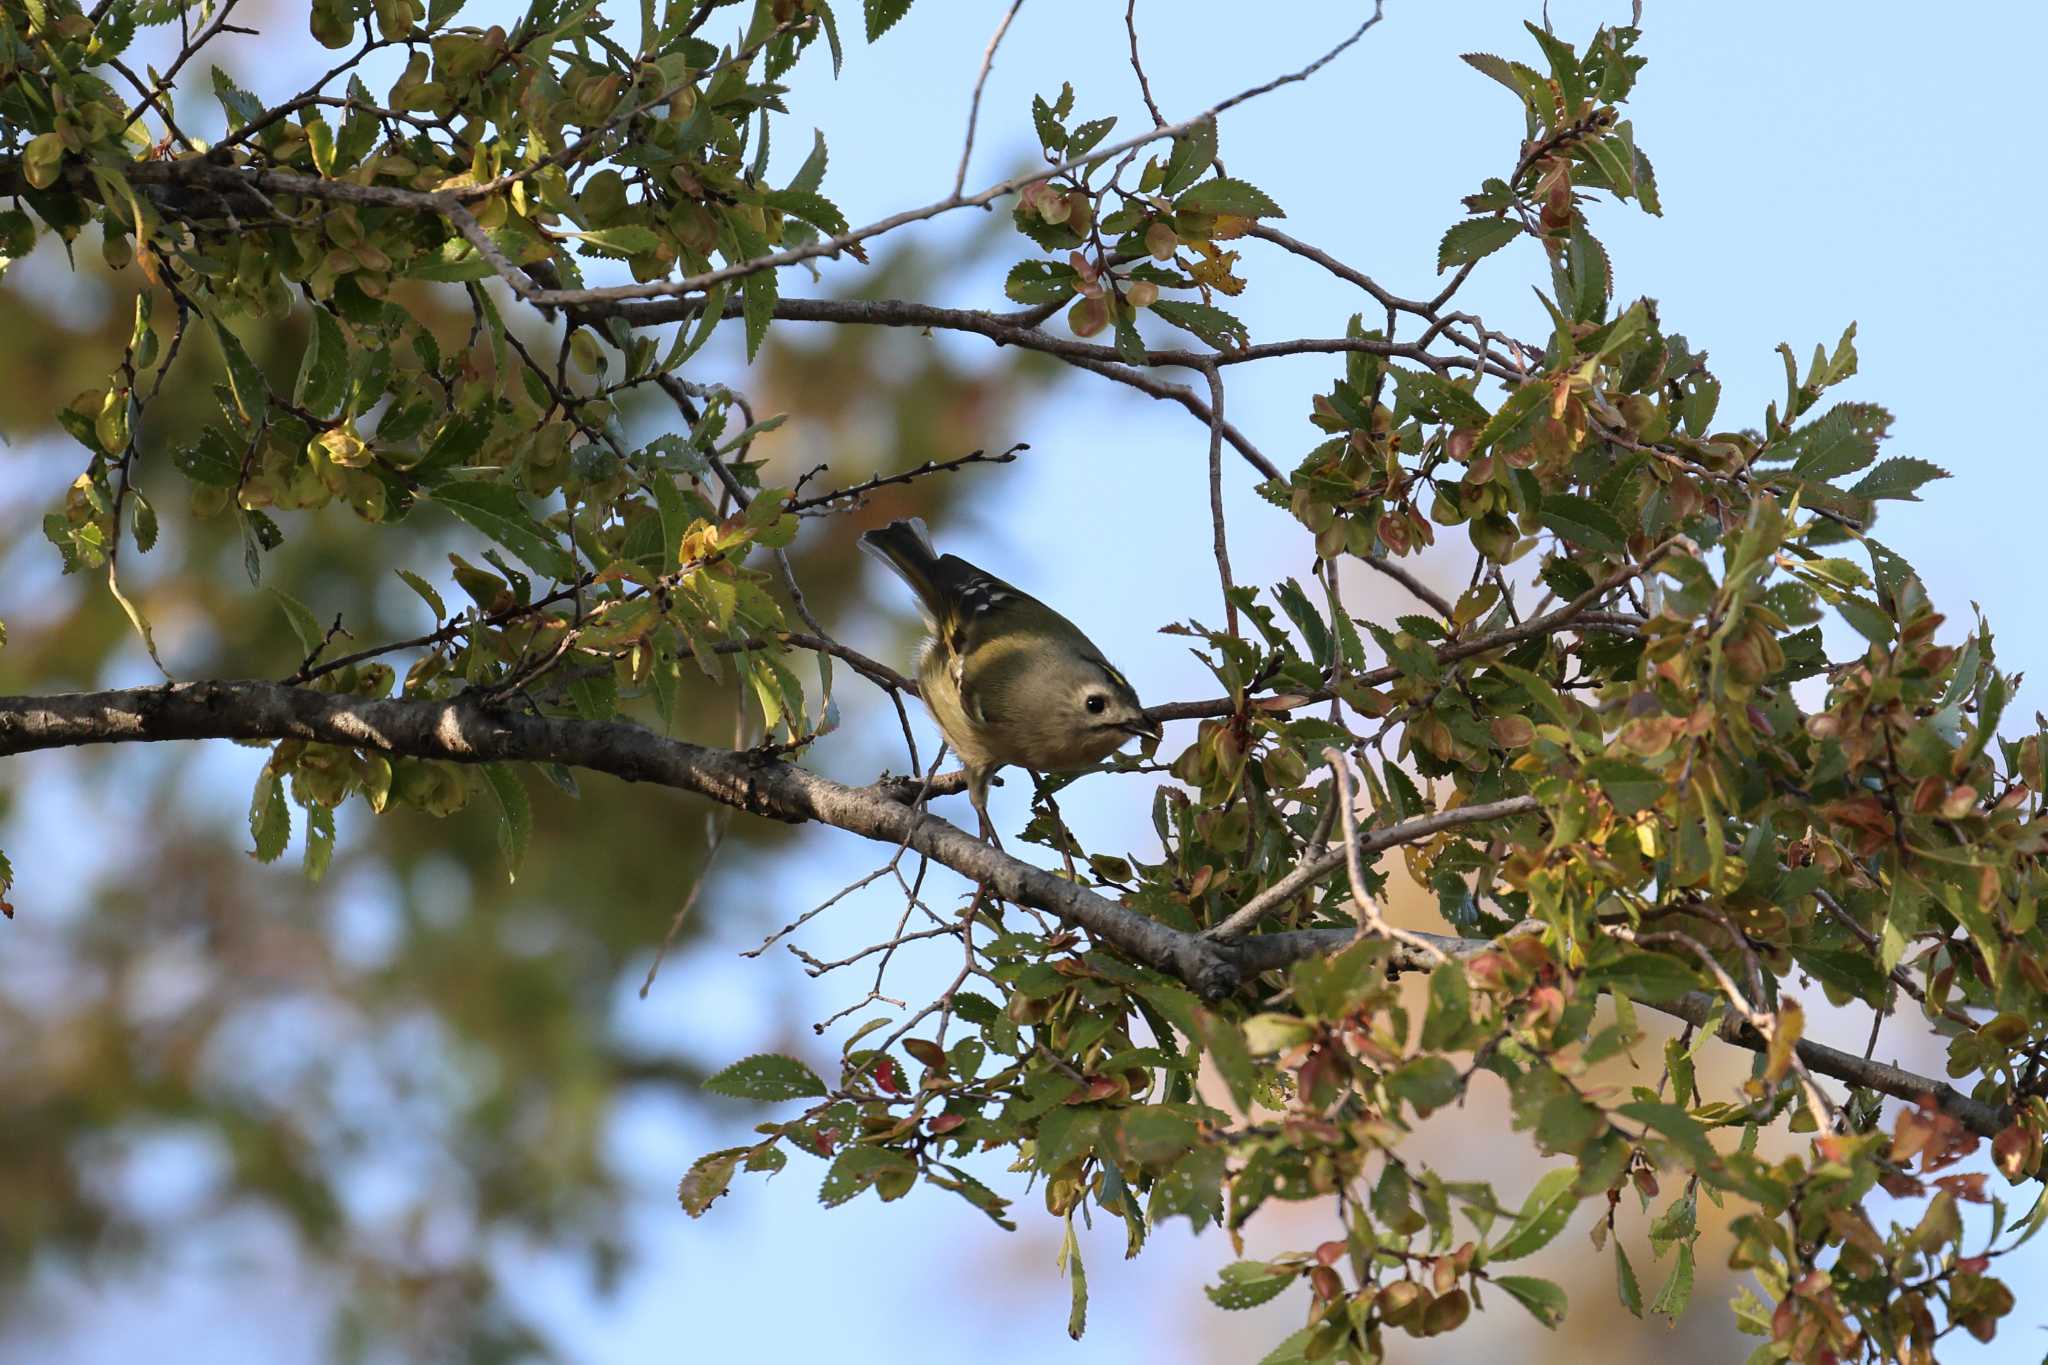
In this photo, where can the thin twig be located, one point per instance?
(1370, 920)
(1222, 541)
(988, 60)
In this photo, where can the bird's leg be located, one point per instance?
(1061, 838)
(977, 792)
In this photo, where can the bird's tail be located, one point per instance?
(906, 547)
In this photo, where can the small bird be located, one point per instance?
(1008, 679)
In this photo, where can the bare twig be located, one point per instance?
(988, 60)
(1222, 541)
(1370, 920)
(1314, 868)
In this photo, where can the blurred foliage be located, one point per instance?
(1686, 802)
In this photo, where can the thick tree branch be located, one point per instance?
(466, 731)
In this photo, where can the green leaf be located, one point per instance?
(1083, 139)
(242, 107)
(1193, 153)
(1307, 620)
(707, 1178)
(1615, 161)
(629, 240)
(766, 1076)
(815, 209)
(1449, 1012)
(1625, 1281)
(304, 624)
(323, 373)
(1544, 1213)
(245, 382)
(319, 841)
(1432, 395)
(811, 175)
(1070, 1260)
(1630, 786)
(1427, 1083)
(1849, 971)
(144, 521)
(498, 512)
(758, 291)
(1840, 441)
(1677, 1290)
(1653, 978)
(1210, 323)
(1040, 282)
(1898, 478)
(1227, 195)
(856, 1168)
(270, 819)
(882, 15)
(1525, 82)
(1583, 522)
(1544, 1300)
(426, 592)
(1224, 1043)
(1473, 240)
(1247, 1284)
(515, 811)
(1675, 1124)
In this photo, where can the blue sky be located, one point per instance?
(1818, 165)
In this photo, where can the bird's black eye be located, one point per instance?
(1096, 703)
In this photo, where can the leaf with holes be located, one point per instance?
(1210, 323)
(766, 1076)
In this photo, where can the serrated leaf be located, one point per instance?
(766, 1076)
(1211, 324)
(629, 240)
(427, 593)
(856, 1168)
(241, 106)
(707, 1178)
(319, 841)
(1247, 1284)
(304, 624)
(1544, 1213)
(1193, 153)
(1473, 240)
(1033, 282)
(1898, 478)
(1840, 441)
(1630, 787)
(245, 382)
(758, 291)
(324, 372)
(515, 815)
(1228, 195)
(1649, 977)
(1625, 1285)
(1677, 1290)
(144, 522)
(270, 817)
(815, 209)
(881, 15)
(1583, 522)
(1083, 139)
(1521, 81)
(1545, 1301)
(811, 175)
(498, 512)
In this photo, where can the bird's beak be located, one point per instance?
(1144, 728)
